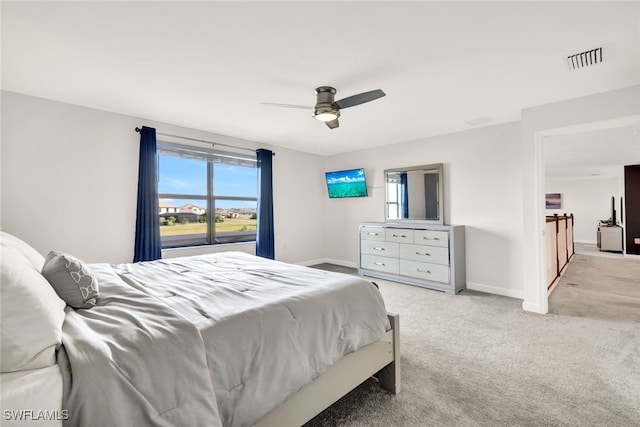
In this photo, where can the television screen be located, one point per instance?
(347, 183)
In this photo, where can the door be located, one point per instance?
(632, 208)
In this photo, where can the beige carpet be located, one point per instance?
(599, 287)
(479, 360)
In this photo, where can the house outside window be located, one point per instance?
(206, 196)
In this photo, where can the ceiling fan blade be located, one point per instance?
(333, 124)
(271, 104)
(360, 98)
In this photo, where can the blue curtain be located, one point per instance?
(265, 240)
(404, 196)
(148, 246)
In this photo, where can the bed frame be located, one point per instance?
(381, 358)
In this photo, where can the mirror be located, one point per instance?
(415, 193)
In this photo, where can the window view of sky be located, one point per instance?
(189, 177)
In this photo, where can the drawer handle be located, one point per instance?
(400, 235)
(379, 249)
(431, 238)
(372, 234)
(378, 263)
(423, 271)
(425, 254)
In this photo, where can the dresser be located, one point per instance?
(610, 238)
(427, 255)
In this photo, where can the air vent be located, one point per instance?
(585, 59)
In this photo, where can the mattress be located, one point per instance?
(32, 397)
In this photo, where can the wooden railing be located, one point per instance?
(560, 246)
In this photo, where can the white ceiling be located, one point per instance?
(596, 154)
(210, 65)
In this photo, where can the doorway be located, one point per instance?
(541, 137)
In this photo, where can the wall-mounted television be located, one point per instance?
(346, 183)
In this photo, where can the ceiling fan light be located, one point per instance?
(325, 112)
(326, 116)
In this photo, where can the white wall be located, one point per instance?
(482, 190)
(589, 200)
(536, 123)
(69, 178)
(69, 182)
(300, 194)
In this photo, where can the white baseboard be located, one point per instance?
(586, 242)
(312, 262)
(512, 293)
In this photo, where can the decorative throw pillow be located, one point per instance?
(72, 279)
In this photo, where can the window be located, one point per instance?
(206, 197)
(393, 199)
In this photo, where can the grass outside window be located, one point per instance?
(230, 225)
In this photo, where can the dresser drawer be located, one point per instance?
(399, 235)
(372, 233)
(379, 263)
(423, 270)
(423, 253)
(374, 247)
(432, 238)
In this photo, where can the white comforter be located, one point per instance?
(267, 328)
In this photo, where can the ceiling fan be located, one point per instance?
(327, 110)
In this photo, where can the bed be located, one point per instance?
(225, 339)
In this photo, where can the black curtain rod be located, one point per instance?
(202, 140)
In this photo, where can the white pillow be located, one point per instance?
(35, 258)
(31, 315)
